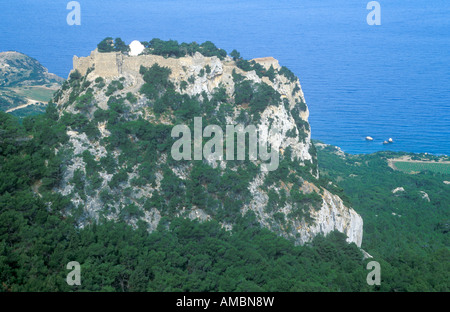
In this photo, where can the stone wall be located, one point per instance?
(105, 64)
(267, 62)
(113, 64)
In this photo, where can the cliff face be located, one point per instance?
(289, 200)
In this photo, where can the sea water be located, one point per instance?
(387, 81)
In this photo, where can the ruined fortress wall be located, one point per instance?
(105, 64)
(114, 64)
(267, 62)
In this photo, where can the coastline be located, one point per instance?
(395, 157)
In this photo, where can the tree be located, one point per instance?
(208, 48)
(235, 55)
(121, 46)
(75, 75)
(106, 45)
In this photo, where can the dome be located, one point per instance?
(136, 48)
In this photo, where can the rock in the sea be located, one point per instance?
(369, 138)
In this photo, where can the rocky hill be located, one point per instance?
(17, 69)
(25, 85)
(121, 111)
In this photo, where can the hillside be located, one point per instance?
(120, 111)
(25, 85)
(406, 215)
(17, 69)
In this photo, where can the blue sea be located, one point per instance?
(387, 81)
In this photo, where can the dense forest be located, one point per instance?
(406, 216)
(37, 240)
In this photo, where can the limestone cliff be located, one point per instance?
(289, 201)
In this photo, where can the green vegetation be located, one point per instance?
(38, 242)
(405, 229)
(258, 68)
(85, 101)
(100, 83)
(257, 95)
(235, 55)
(113, 87)
(131, 98)
(156, 80)
(31, 110)
(412, 167)
(75, 75)
(10, 99)
(170, 48)
(110, 45)
(37, 93)
(288, 74)
(21, 70)
(264, 96)
(17, 96)
(184, 255)
(183, 85)
(25, 81)
(252, 65)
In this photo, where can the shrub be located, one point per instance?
(118, 178)
(156, 80)
(208, 48)
(235, 55)
(85, 101)
(75, 75)
(113, 87)
(172, 48)
(243, 92)
(108, 45)
(288, 74)
(183, 85)
(264, 96)
(131, 98)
